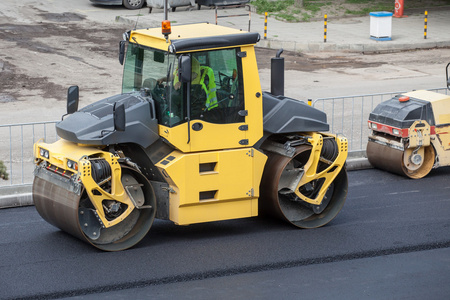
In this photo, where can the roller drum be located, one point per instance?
(399, 161)
(61, 204)
(276, 200)
(57, 205)
(385, 158)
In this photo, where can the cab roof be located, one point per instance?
(194, 37)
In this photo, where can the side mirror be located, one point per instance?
(121, 52)
(72, 99)
(184, 68)
(119, 117)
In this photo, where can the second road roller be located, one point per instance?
(192, 138)
(411, 133)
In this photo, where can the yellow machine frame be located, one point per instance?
(62, 151)
(329, 174)
(215, 185)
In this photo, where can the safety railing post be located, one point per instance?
(10, 155)
(425, 26)
(21, 135)
(265, 26)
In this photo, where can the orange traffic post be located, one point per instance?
(325, 28)
(399, 9)
(425, 25)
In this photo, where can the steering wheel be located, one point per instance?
(225, 81)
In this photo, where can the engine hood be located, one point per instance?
(94, 124)
(287, 115)
(402, 114)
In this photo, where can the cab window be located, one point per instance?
(151, 72)
(217, 86)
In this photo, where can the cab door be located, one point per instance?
(225, 107)
(217, 101)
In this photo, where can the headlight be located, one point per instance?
(374, 126)
(395, 131)
(72, 165)
(44, 153)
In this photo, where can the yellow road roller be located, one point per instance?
(192, 138)
(410, 133)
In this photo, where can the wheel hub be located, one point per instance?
(416, 159)
(134, 2)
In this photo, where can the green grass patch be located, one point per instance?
(288, 10)
(287, 17)
(359, 1)
(367, 10)
(271, 6)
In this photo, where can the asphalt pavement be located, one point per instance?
(397, 276)
(343, 34)
(390, 241)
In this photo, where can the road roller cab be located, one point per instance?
(192, 138)
(411, 133)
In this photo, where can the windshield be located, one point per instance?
(153, 70)
(216, 92)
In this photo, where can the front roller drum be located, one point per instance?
(277, 200)
(401, 162)
(71, 211)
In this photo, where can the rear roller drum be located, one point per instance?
(410, 162)
(77, 216)
(279, 199)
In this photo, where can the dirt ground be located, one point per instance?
(39, 60)
(45, 53)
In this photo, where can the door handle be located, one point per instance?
(197, 126)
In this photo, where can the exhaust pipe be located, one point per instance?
(277, 74)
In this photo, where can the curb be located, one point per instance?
(16, 196)
(360, 48)
(16, 200)
(358, 164)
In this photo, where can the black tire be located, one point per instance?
(133, 4)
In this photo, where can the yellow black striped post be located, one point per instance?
(425, 25)
(325, 28)
(265, 25)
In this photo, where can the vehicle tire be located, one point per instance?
(133, 4)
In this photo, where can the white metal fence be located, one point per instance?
(16, 149)
(346, 115)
